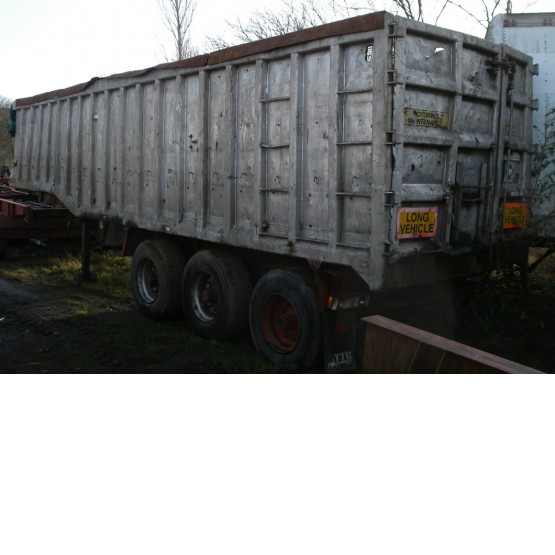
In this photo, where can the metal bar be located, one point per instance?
(357, 195)
(270, 147)
(276, 99)
(270, 190)
(356, 91)
(354, 143)
(86, 251)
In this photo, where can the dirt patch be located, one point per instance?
(66, 327)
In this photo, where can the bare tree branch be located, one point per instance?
(292, 16)
(299, 14)
(177, 17)
(440, 13)
(410, 10)
(490, 9)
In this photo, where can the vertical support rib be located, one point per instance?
(140, 182)
(47, 157)
(160, 194)
(109, 177)
(79, 160)
(181, 86)
(204, 139)
(230, 196)
(122, 201)
(38, 141)
(258, 161)
(334, 215)
(56, 177)
(296, 128)
(31, 115)
(69, 103)
(94, 122)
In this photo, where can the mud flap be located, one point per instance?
(340, 330)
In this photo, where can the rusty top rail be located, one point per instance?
(367, 22)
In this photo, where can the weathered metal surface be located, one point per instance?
(392, 347)
(306, 145)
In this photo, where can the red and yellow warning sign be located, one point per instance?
(416, 223)
(514, 215)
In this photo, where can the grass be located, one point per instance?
(61, 262)
(42, 269)
(111, 274)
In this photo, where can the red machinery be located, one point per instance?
(23, 217)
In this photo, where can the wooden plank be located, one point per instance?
(391, 347)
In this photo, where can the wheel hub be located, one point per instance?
(280, 324)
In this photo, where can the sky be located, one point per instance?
(51, 44)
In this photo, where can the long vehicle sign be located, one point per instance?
(416, 223)
(514, 215)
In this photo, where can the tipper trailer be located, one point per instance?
(292, 183)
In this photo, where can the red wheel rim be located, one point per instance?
(280, 324)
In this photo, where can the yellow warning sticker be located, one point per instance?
(416, 223)
(426, 118)
(514, 215)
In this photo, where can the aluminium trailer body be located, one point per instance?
(291, 181)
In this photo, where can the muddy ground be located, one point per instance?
(39, 333)
(65, 327)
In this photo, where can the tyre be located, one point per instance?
(285, 321)
(215, 294)
(156, 272)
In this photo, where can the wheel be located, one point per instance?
(215, 293)
(284, 319)
(156, 277)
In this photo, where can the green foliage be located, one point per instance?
(6, 142)
(514, 317)
(497, 301)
